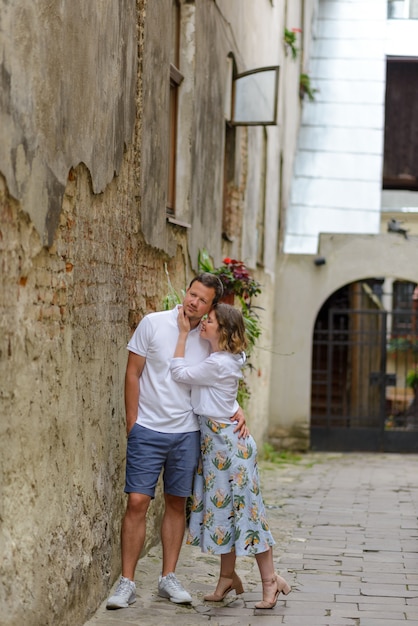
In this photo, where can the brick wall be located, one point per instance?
(66, 315)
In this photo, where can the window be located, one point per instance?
(231, 216)
(175, 80)
(261, 214)
(402, 9)
(403, 312)
(255, 97)
(231, 222)
(401, 125)
(251, 100)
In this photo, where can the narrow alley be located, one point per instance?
(346, 527)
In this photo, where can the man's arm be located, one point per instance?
(134, 369)
(241, 426)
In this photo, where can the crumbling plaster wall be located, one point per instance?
(68, 77)
(67, 314)
(68, 308)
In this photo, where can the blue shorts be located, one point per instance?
(149, 451)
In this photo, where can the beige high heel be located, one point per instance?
(224, 586)
(282, 586)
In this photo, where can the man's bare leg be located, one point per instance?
(172, 531)
(133, 532)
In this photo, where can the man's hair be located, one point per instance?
(231, 324)
(213, 282)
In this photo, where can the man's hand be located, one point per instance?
(129, 426)
(241, 427)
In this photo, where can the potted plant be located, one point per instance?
(412, 379)
(289, 39)
(411, 412)
(403, 344)
(235, 277)
(305, 88)
(238, 283)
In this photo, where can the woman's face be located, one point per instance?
(209, 328)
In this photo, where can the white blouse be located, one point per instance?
(214, 383)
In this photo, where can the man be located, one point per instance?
(162, 433)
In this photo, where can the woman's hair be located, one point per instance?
(231, 328)
(212, 281)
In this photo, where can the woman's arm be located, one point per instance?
(207, 373)
(204, 373)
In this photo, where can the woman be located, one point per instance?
(228, 514)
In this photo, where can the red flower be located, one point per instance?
(296, 30)
(227, 260)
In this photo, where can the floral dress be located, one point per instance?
(227, 511)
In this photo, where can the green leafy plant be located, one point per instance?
(238, 281)
(252, 324)
(289, 38)
(271, 455)
(243, 394)
(412, 379)
(172, 298)
(403, 344)
(305, 87)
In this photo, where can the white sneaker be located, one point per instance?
(123, 596)
(169, 587)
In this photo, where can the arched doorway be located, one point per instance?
(364, 384)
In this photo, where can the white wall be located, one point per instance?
(337, 175)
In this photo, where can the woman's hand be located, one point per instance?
(183, 324)
(183, 321)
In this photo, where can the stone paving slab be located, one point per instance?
(346, 527)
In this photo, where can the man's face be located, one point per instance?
(198, 301)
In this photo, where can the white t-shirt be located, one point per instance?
(164, 404)
(214, 383)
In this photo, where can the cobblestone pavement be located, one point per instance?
(346, 529)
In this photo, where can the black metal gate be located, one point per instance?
(363, 391)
